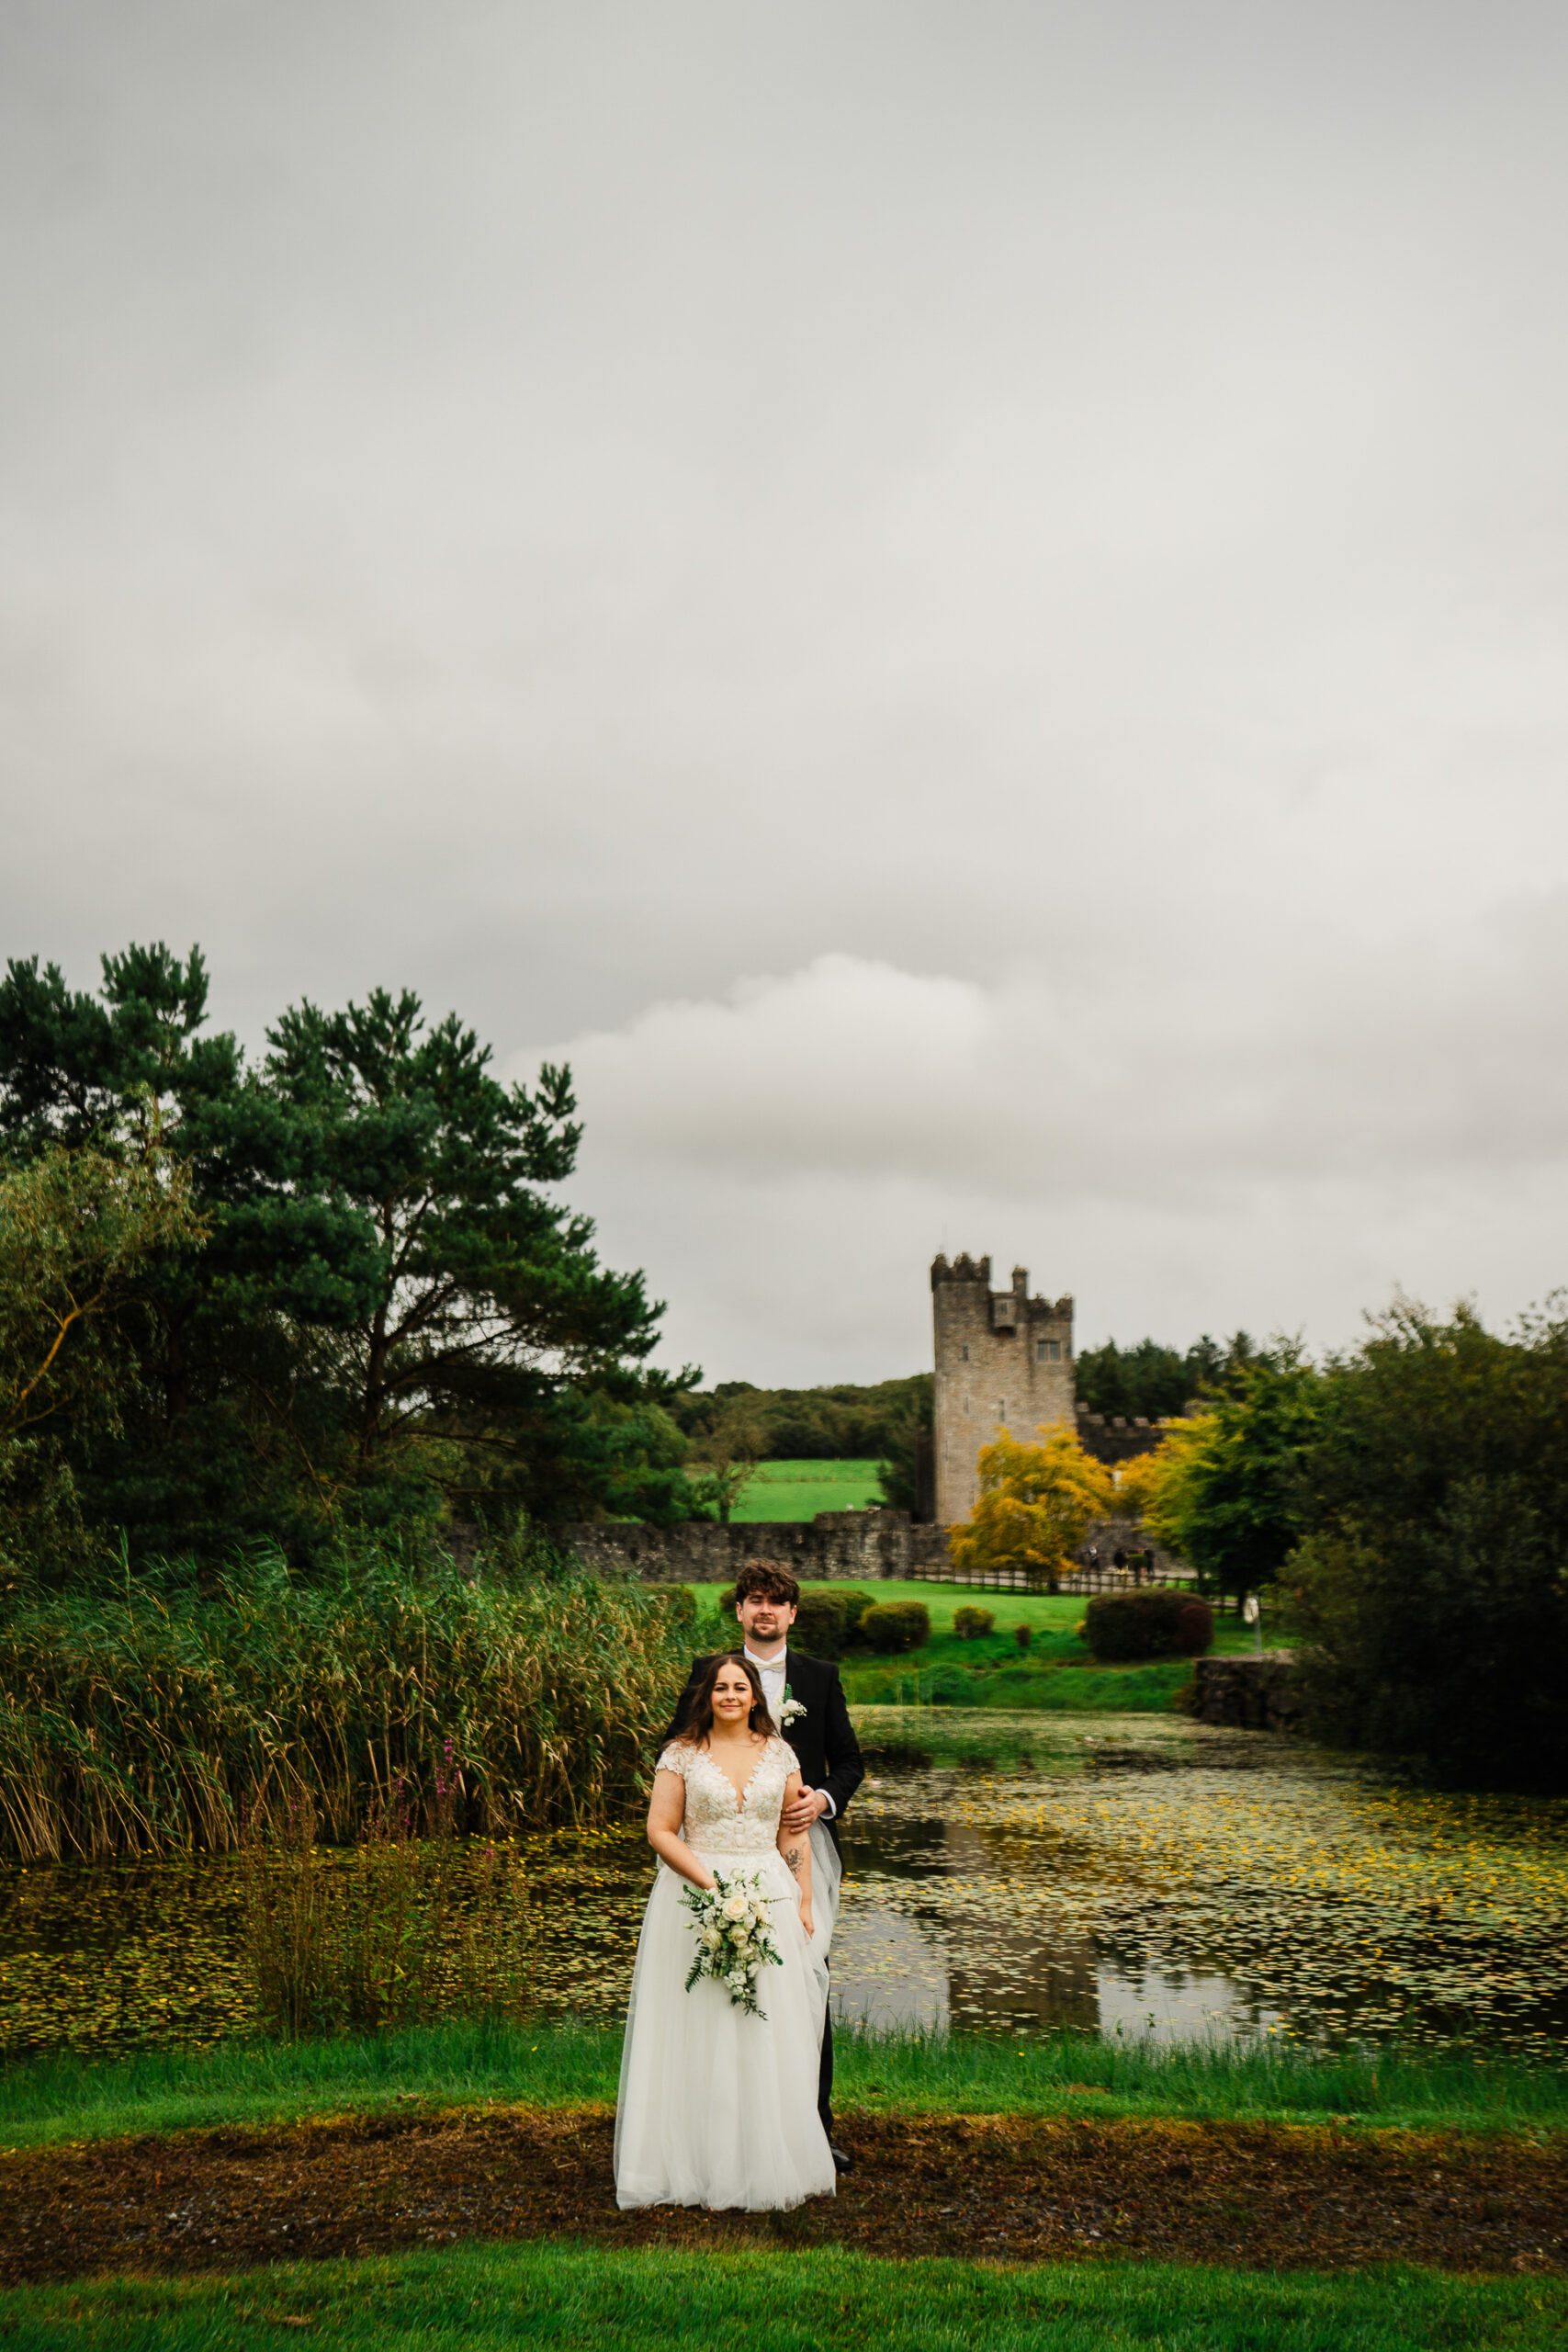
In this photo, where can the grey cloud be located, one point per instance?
(1059, 508)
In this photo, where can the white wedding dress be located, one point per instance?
(718, 2108)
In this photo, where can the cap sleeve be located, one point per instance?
(675, 1758)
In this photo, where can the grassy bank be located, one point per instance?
(154, 1716)
(783, 2300)
(1054, 1672)
(54, 2099)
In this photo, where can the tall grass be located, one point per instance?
(393, 1933)
(157, 1714)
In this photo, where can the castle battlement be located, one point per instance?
(1004, 1361)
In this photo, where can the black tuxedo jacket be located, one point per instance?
(823, 1739)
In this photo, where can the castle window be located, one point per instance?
(1047, 1352)
(963, 1351)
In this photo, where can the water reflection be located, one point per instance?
(894, 1969)
(1142, 1875)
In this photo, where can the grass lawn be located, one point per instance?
(46, 2101)
(783, 2299)
(798, 1491)
(1055, 1672)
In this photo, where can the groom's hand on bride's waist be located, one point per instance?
(809, 1806)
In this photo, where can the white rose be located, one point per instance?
(712, 1938)
(736, 1907)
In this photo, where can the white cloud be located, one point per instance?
(786, 1158)
(853, 1068)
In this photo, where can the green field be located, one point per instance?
(797, 1490)
(1055, 1672)
(815, 2299)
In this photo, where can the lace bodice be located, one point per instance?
(715, 1823)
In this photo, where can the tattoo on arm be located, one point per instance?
(793, 1859)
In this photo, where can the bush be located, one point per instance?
(1194, 1627)
(1163, 1622)
(857, 1600)
(818, 1627)
(1023, 1635)
(973, 1624)
(894, 1625)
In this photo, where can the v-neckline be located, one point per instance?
(740, 1800)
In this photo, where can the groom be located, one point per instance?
(805, 1690)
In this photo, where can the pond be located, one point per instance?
(1140, 1874)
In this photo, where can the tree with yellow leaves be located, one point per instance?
(1035, 1502)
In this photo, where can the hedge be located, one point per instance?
(1160, 1621)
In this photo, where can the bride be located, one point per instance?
(718, 2107)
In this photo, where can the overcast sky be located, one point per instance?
(965, 607)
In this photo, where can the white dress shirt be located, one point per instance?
(774, 1673)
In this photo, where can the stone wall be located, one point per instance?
(1115, 1440)
(851, 1545)
(1257, 1693)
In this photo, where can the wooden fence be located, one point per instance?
(1106, 1578)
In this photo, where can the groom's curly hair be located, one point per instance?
(767, 1580)
(697, 1721)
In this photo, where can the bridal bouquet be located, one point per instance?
(735, 1938)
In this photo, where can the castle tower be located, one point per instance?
(1003, 1361)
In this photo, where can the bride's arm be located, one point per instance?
(795, 1845)
(666, 1812)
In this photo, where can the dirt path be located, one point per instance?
(1000, 2188)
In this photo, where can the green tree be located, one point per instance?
(80, 1230)
(1226, 1489)
(391, 1315)
(1151, 1382)
(907, 1433)
(1433, 1580)
(725, 1456)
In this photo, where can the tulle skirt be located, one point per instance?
(718, 2108)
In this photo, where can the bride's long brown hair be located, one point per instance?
(697, 1721)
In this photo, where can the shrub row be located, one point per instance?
(826, 1622)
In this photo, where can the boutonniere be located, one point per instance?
(792, 1710)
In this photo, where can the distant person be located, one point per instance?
(1120, 1562)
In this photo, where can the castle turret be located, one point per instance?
(1004, 1361)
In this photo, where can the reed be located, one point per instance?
(393, 1932)
(160, 1712)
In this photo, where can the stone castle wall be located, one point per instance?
(851, 1545)
(1115, 1440)
(1004, 1361)
(848, 1547)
